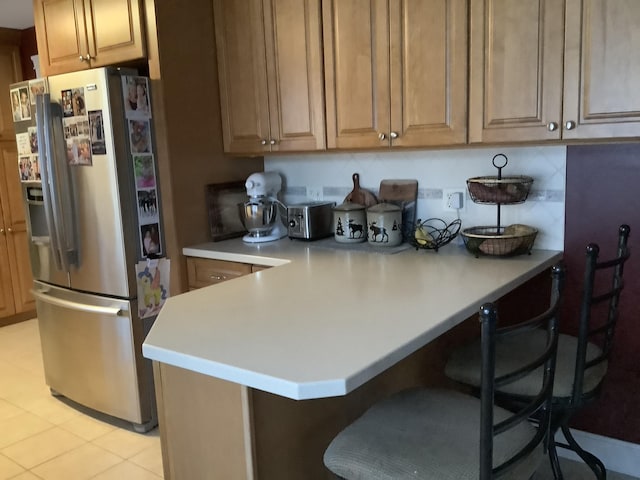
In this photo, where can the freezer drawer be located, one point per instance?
(92, 353)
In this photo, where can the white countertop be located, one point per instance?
(323, 322)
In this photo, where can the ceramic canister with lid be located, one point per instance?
(384, 222)
(350, 223)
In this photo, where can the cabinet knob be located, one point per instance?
(1, 231)
(263, 142)
(381, 136)
(272, 142)
(552, 126)
(81, 58)
(9, 230)
(570, 125)
(393, 135)
(218, 277)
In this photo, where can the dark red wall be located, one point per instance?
(602, 192)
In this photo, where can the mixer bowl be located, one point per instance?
(258, 216)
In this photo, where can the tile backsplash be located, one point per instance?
(326, 175)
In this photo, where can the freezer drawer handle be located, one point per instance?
(113, 311)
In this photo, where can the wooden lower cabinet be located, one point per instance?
(15, 275)
(213, 429)
(202, 272)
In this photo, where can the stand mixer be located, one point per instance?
(260, 214)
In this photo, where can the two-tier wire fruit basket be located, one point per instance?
(499, 190)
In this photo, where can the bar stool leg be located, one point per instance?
(591, 460)
(555, 463)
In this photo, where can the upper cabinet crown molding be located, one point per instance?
(395, 72)
(79, 34)
(270, 75)
(550, 70)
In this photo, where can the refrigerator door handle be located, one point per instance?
(112, 311)
(42, 129)
(60, 183)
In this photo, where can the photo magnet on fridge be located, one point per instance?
(153, 278)
(98, 145)
(135, 91)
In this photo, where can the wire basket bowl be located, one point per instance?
(434, 233)
(503, 241)
(494, 190)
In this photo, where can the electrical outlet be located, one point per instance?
(314, 193)
(454, 199)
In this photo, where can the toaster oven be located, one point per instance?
(311, 220)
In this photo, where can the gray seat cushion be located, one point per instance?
(424, 434)
(515, 351)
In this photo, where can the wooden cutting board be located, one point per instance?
(360, 195)
(403, 193)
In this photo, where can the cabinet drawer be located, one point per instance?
(258, 268)
(203, 271)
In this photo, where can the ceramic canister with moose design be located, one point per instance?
(350, 223)
(384, 225)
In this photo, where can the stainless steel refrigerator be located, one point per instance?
(81, 192)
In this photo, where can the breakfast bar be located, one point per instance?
(254, 376)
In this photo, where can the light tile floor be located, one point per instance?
(43, 437)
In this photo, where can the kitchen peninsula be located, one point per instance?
(255, 376)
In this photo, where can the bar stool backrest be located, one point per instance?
(538, 406)
(599, 310)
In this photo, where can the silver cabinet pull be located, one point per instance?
(570, 125)
(81, 58)
(263, 142)
(272, 142)
(217, 276)
(1, 231)
(381, 136)
(9, 230)
(552, 126)
(393, 135)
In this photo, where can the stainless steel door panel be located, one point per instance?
(105, 230)
(92, 351)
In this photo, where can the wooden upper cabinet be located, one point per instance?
(79, 34)
(602, 69)
(10, 72)
(270, 75)
(395, 72)
(515, 89)
(115, 31)
(521, 89)
(356, 52)
(428, 72)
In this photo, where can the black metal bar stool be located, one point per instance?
(581, 362)
(447, 435)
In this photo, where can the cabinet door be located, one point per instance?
(6, 288)
(61, 35)
(516, 70)
(428, 72)
(356, 51)
(294, 66)
(202, 272)
(602, 69)
(244, 102)
(16, 227)
(114, 31)
(10, 72)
